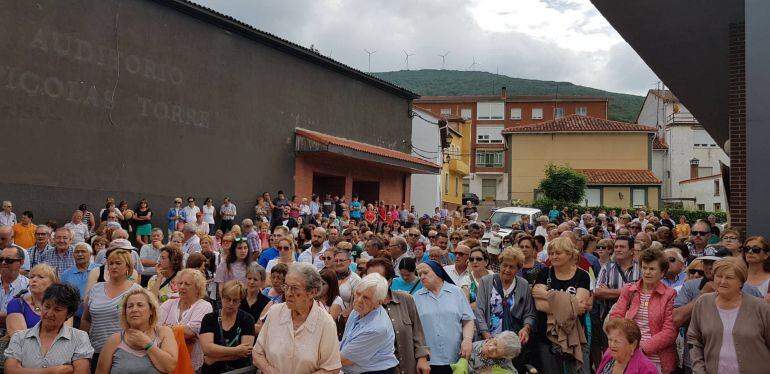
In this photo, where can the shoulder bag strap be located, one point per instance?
(167, 280)
(620, 272)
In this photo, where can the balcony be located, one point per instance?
(459, 167)
(675, 118)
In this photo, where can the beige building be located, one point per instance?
(616, 157)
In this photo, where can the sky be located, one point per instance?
(560, 40)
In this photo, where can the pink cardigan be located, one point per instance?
(638, 364)
(660, 317)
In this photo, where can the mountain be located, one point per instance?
(623, 107)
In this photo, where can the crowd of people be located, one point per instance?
(329, 285)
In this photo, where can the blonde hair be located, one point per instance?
(513, 255)
(46, 270)
(176, 235)
(735, 264)
(206, 238)
(563, 244)
(122, 255)
(198, 279)
(152, 304)
(233, 289)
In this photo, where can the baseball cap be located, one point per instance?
(709, 258)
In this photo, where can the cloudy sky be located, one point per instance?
(564, 40)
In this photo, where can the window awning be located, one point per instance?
(313, 141)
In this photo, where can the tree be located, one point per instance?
(563, 183)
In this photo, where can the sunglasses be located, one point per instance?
(475, 259)
(696, 271)
(431, 236)
(602, 247)
(414, 235)
(700, 233)
(755, 250)
(241, 239)
(177, 202)
(672, 259)
(283, 248)
(8, 260)
(327, 258)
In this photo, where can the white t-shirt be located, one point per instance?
(208, 214)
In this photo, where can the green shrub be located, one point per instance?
(546, 204)
(563, 183)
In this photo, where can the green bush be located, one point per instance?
(546, 204)
(563, 183)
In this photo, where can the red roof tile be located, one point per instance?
(509, 99)
(620, 176)
(361, 147)
(658, 143)
(578, 123)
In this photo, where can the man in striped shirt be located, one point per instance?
(615, 274)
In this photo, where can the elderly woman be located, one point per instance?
(568, 286)
(495, 353)
(141, 346)
(650, 303)
(227, 336)
(164, 284)
(504, 301)
(718, 342)
(756, 253)
(623, 355)
(188, 310)
(446, 315)
(42, 346)
(346, 279)
(411, 349)
(478, 260)
(101, 306)
(368, 342)
(298, 335)
(24, 312)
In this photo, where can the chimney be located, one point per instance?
(503, 93)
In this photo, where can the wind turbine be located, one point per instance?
(407, 58)
(370, 53)
(474, 64)
(443, 59)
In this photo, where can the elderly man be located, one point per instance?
(175, 215)
(78, 275)
(459, 270)
(368, 344)
(42, 244)
(398, 249)
(676, 274)
(252, 236)
(24, 231)
(80, 232)
(61, 256)
(7, 216)
(641, 217)
(313, 255)
(700, 234)
(412, 237)
(7, 240)
(11, 280)
(192, 243)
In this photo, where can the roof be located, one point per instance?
(664, 95)
(508, 99)
(658, 143)
(620, 176)
(700, 178)
(229, 23)
(578, 123)
(325, 139)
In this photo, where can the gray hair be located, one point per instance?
(88, 247)
(378, 282)
(510, 343)
(247, 222)
(675, 253)
(190, 227)
(312, 278)
(258, 269)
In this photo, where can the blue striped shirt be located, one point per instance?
(369, 342)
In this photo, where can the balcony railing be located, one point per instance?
(681, 118)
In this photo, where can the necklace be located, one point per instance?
(34, 304)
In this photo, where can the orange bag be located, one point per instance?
(183, 361)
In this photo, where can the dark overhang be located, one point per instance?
(685, 42)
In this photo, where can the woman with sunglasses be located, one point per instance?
(235, 265)
(454, 239)
(477, 261)
(604, 251)
(695, 270)
(227, 336)
(755, 253)
(285, 248)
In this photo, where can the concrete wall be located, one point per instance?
(660, 167)
(426, 189)
(187, 109)
(612, 196)
(702, 191)
(530, 153)
(757, 116)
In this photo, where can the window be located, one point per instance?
(705, 171)
(593, 197)
(489, 159)
(489, 135)
(558, 112)
(717, 207)
(581, 111)
(446, 183)
(701, 206)
(537, 113)
(716, 187)
(466, 113)
(515, 113)
(702, 139)
(446, 111)
(466, 185)
(639, 197)
(457, 186)
(490, 111)
(489, 189)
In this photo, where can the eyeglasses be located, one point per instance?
(729, 238)
(190, 201)
(700, 233)
(672, 259)
(293, 289)
(177, 202)
(414, 235)
(283, 248)
(696, 271)
(5, 260)
(431, 236)
(475, 259)
(755, 250)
